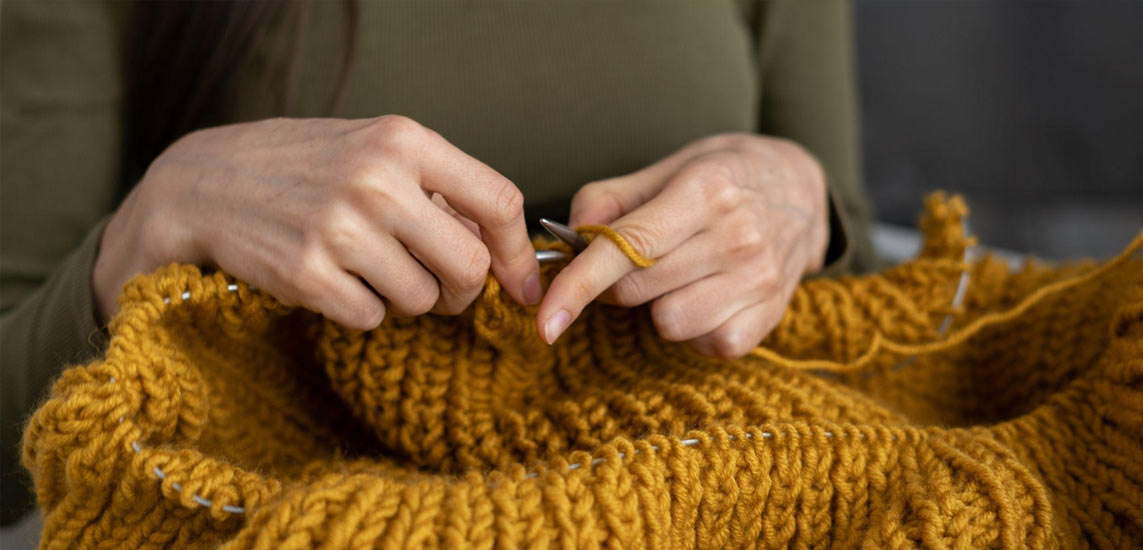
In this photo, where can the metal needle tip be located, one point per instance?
(550, 256)
(565, 234)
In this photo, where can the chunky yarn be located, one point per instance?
(877, 414)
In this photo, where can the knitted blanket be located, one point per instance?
(938, 404)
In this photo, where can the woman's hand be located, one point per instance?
(351, 218)
(734, 221)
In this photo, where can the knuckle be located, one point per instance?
(475, 270)
(508, 205)
(638, 236)
(368, 315)
(670, 320)
(590, 193)
(379, 199)
(723, 194)
(729, 344)
(714, 180)
(749, 145)
(419, 298)
(369, 193)
(629, 291)
(723, 141)
(713, 168)
(768, 278)
(452, 306)
(356, 169)
(748, 240)
(597, 200)
(395, 126)
(306, 275)
(338, 232)
(397, 131)
(590, 189)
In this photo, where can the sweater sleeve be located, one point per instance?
(806, 68)
(50, 329)
(59, 164)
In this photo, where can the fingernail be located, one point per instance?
(532, 290)
(555, 325)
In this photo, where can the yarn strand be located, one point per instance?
(590, 231)
(881, 342)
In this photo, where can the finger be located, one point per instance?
(457, 258)
(700, 307)
(443, 204)
(388, 268)
(663, 223)
(602, 202)
(322, 286)
(691, 261)
(270, 259)
(484, 196)
(345, 300)
(742, 332)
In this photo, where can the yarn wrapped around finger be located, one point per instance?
(223, 419)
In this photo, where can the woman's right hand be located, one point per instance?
(317, 211)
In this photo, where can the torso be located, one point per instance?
(551, 94)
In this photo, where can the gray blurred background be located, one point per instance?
(1032, 109)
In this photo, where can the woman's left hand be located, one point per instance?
(733, 220)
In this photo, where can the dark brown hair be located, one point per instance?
(178, 67)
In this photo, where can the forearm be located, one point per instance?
(52, 328)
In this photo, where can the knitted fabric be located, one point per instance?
(220, 418)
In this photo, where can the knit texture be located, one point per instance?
(220, 418)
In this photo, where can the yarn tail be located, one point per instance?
(882, 343)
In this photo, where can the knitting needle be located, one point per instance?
(550, 256)
(565, 234)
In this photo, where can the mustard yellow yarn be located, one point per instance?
(224, 419)
(591, 230)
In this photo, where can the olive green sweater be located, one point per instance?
(551, 93)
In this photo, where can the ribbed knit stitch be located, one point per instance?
(221, 418)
